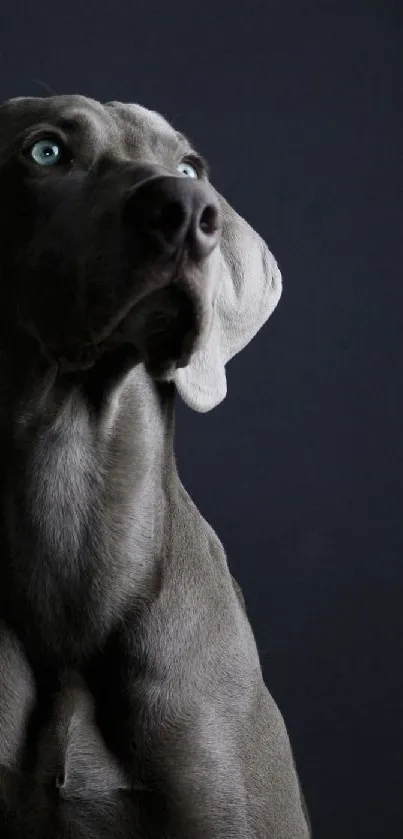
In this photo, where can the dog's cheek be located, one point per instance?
(67, 275)
(16, 232)
(17, 213)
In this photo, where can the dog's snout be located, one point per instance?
(181, 212)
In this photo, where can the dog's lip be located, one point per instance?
(102, 334)
(163, 313)
(121, 329)
(170, 276)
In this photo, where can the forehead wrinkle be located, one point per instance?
(125, 130)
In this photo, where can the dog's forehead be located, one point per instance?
(113, 126)
(143, 128)
(134, 116)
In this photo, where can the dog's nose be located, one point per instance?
(179, 211)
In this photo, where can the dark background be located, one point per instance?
(298, 106)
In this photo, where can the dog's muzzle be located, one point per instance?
(159, 306)
(180, 219)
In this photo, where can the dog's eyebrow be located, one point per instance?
(74, 122)
(68, 123)
(83, 126)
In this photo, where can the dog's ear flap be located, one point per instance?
(248, 287)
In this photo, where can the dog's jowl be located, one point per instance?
(132, 702)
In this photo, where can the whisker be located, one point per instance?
(45, 86)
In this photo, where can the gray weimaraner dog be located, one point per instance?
(132, 702)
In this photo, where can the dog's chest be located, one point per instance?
(81, 512)
(61, 582)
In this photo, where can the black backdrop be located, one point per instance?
(298, 106)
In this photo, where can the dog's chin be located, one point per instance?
(162, 331)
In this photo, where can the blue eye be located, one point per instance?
(187, 170)
(46, 152)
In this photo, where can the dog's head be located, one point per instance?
(112, 236)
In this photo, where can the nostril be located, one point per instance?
(208, 221)
(168, 219)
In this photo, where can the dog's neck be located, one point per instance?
(88, 468)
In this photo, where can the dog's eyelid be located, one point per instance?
(198, 161)
(43, 132)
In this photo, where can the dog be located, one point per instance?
(132, 702)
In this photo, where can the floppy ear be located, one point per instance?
(248, 287)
